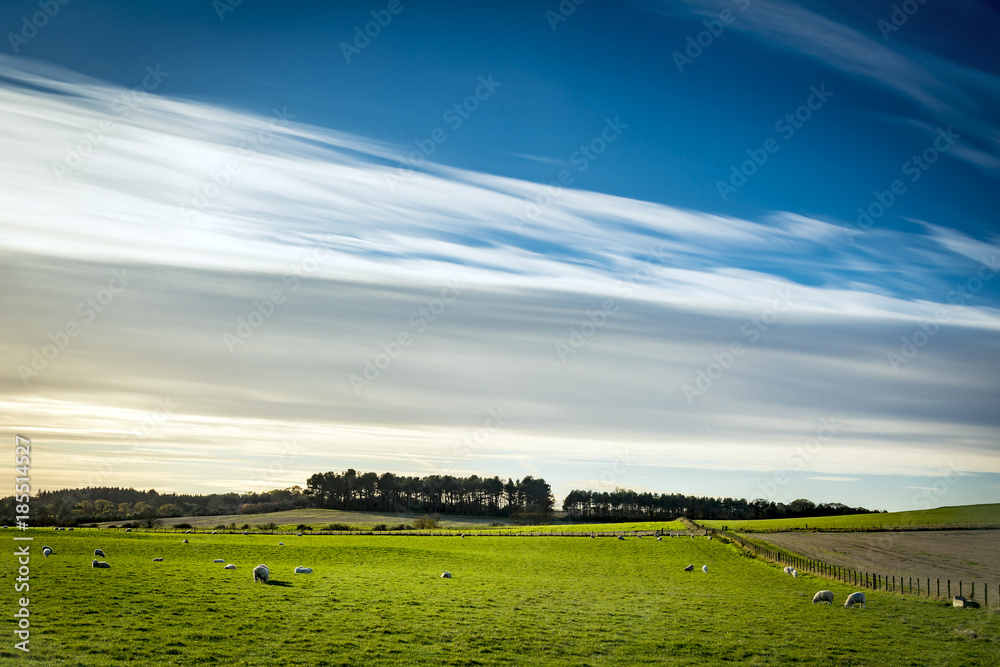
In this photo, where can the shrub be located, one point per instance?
(427, 522)
(221, 526)
(338, 526)
(401, 526)
(304, 526)
(269, 526)
(380, 526)
(183, 525)
(245, 526)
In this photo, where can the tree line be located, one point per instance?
(439, 494)
(625, 504)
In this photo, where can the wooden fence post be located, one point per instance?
(959, 587)
(949, 588)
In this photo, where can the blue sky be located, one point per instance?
(706, 224)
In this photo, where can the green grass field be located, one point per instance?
(965, 515)
(379, 600)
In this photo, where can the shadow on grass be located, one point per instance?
(272, 582)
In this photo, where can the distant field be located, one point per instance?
(319, 518)
(960, 554)
(965, 515)
(377, 600)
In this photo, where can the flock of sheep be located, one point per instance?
(262, 573)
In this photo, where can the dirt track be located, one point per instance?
(960, 554)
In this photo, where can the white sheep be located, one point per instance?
(186, 532)
(298, 534)
(303, 570)
(593, 537)
(446, 575)
(229, 567)
(128, 530)
(219, 560)
(46, 551)
(689, 568)
(704, 568)
(99, 563)
(281, 544)
(795, 573)
(157, 560)
(620, 537)
(659, 538)
(244, 532)
(184, 542)
(855, 598)
(214, 532)
(99, 552)
(261, 573)
(823, 596)
(787, 569)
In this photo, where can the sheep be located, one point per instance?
(46, 551)
(186, 532)
(157, 560)
(795, 573)
(446, 575)
(704, 568)
(214, 532)
(638, 537)
(298, 534)
(261, 574)
(128, 530)
(593, 537)
(281, 544)
(303, 570)
(823, 596)
(689, 568)
(659, 538)
(787, 569)
(621, 537)
(219, 560)
(244, 532)
(855, 598)
(184, 542)
(229, 567)
(67, 529)
(100, 564)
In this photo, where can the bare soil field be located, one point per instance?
(955, 554)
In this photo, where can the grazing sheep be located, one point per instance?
(261, 574)
(281, 544)
(622, 538)
(184, 542)
(214, 532)
(823, 596)
(795, 573)
(638, 537)
(855, 598)
(298, 534)
(219, 560)
(659, 538)
(303, 570)
(67, 529)
(99, 563)
(128, 530)
(787, 569)
(99, 552)
(593, 537)
(244, 532)
(157, 560)
(186, 532)
(446, 575)
(229, 567)
(704, 568)
(56, 528)
(46, 551)
(689, 568)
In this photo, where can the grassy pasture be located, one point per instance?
(965, 515)
(379, 600)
